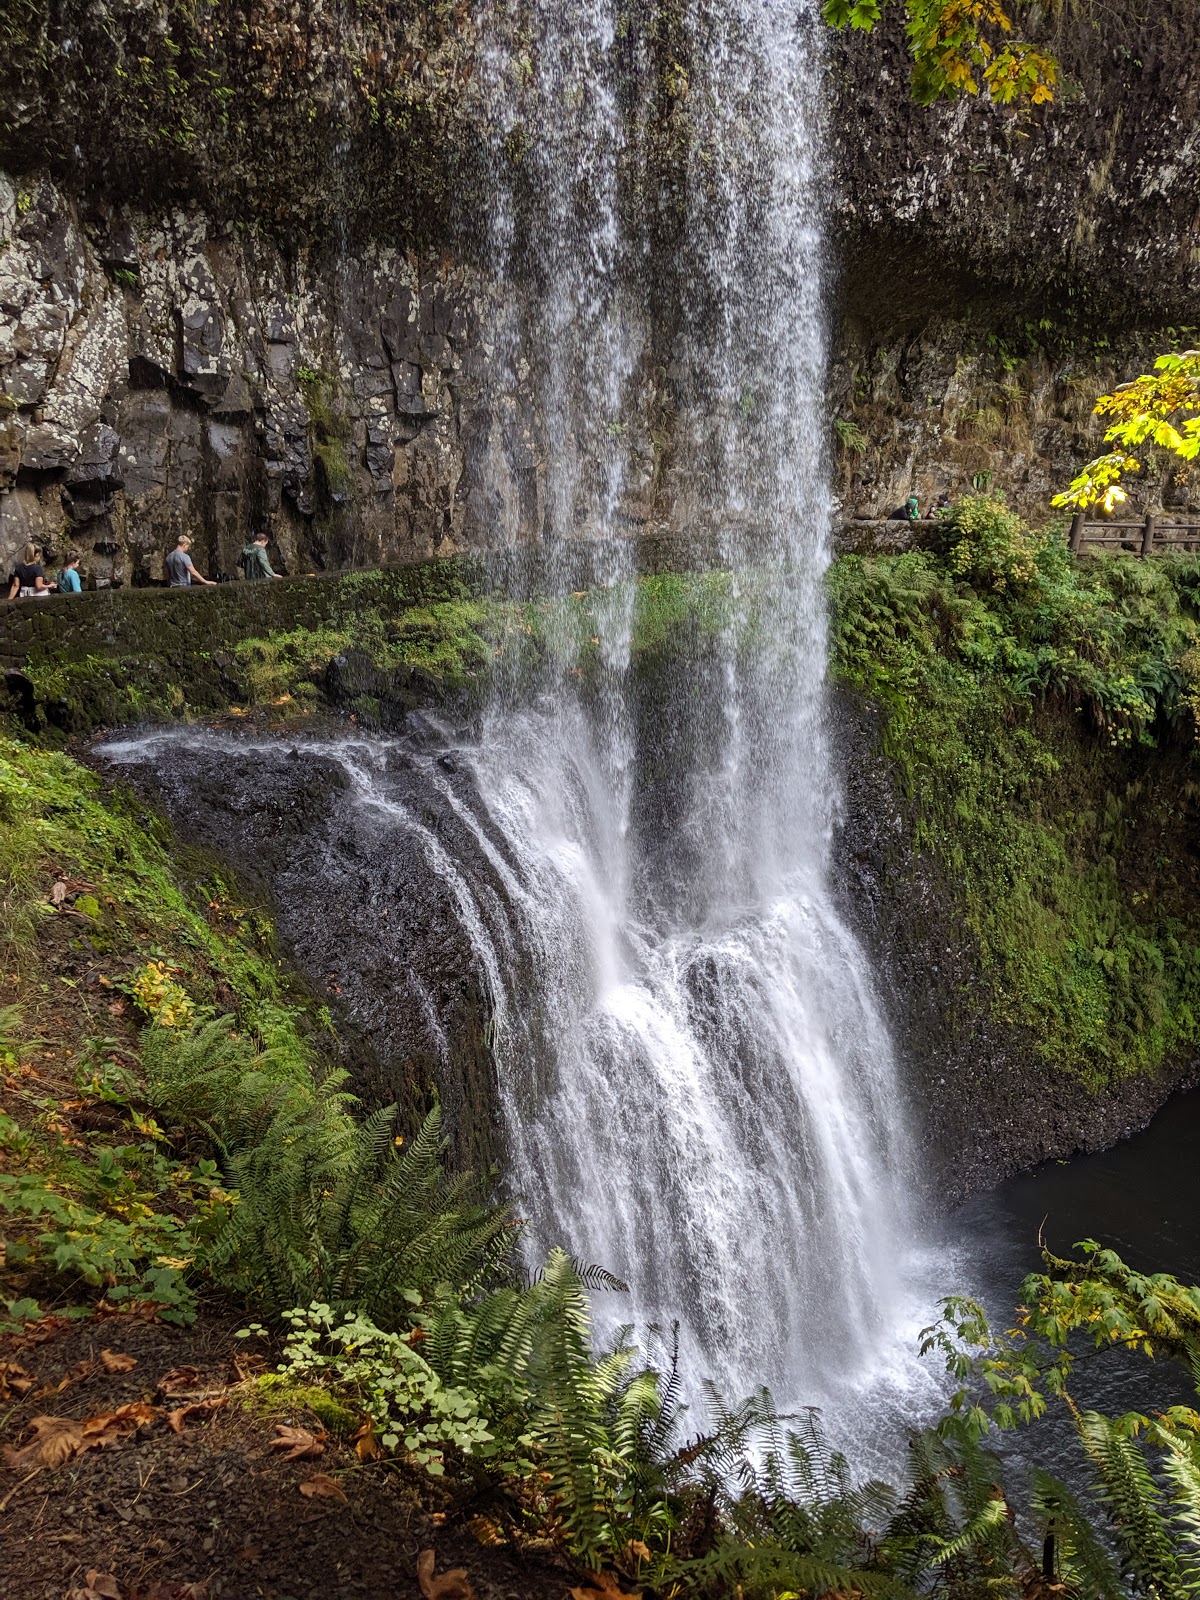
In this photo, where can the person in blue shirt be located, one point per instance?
(68, 576)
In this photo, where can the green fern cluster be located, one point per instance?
(329, 1208)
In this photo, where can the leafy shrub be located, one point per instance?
(401, 1393)
(157, 989)
(987, 545)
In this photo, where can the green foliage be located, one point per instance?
(93, 1222)
(1145, 1472)
(987, 546)
(390, 1380)
(123, 1215)
(850, 435)
(462, 643)
(128, 1219)
(328, 1208)
(1098, 1298)
(1037, 730)
(958, 49)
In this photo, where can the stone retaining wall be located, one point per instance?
(197, 621)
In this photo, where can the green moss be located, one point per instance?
(460, 643)
(149, 897)
(1043, 737)
(275, 1392)
(100, 691)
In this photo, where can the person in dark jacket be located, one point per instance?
(28, 581)
(255, 562)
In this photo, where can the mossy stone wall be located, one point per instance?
(181, 625)
(189, 624)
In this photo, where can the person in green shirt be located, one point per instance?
(255, 563)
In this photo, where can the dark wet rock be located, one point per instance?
(359, 905)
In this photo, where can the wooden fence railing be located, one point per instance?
(1146, 535)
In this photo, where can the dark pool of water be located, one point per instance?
(1141, 1199)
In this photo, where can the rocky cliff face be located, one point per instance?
(243, 284)
(175, 375)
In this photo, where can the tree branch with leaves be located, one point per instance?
(960, 47)
(1160, 409)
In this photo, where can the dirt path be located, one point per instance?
(212, 1511)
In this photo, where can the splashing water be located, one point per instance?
(698, 1089)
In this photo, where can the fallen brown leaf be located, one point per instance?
(602, 1586)
(38, 1332)
(127, 1311)
(59, 1439)
(109, 1427)
(14, 1380)
(58, 893)
(97, 1586)
(117, 1361)
(170, 1591)
(366, 1445)
(452, 1585)
(322, 1486)
(56, 1439)
(297, 1443)
(194, 1408)
(178, 1382)
(76, 1373)
(487, 1531)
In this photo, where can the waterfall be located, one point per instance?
(698, 1089)
(696, 1084)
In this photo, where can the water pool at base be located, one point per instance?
(1140, 1198)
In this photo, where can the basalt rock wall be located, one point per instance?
(244, 282)
(177, 375)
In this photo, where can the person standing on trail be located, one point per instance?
(181, 573)
(255, 562)
(28, 581)
(68, 576)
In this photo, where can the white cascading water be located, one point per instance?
(699, 1091)
(698, 1088)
